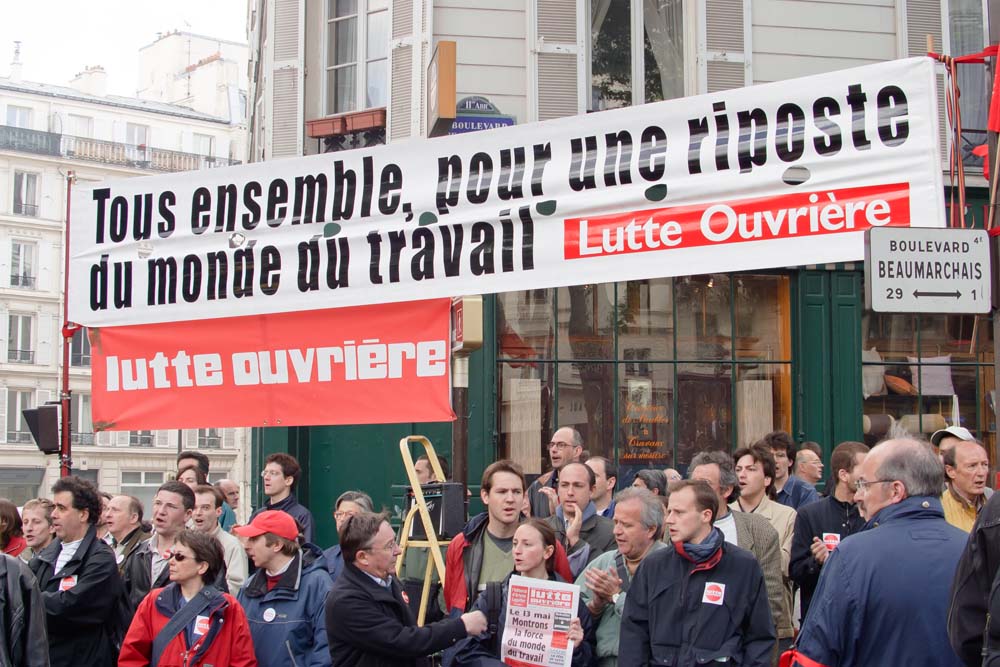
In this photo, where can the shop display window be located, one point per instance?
(921, 373)
(650, 371)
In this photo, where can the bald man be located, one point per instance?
(566, 446)
(898, 570)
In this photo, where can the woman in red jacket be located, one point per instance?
(11, 534)
(189, 623)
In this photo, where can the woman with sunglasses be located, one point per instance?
(534, 548)
(189, 623)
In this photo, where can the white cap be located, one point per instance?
(952, 431)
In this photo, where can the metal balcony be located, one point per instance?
(105, 152)
(19, 280)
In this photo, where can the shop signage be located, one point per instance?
(791, 172)
(927, 270)
(341, 366)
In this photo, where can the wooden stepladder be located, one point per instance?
(419, 510)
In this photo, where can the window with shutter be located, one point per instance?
(723, 45)
(923, 18)
(556, 44)
(286, 118)
(404, 84)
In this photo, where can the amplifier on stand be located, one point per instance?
(446, 505)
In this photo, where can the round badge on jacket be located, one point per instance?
(269, 614)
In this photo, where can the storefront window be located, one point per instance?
(927, 372)
(649, 371)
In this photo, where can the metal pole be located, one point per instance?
(65, 456)
(460, 429)
(993, 21)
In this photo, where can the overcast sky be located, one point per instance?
(60, 37)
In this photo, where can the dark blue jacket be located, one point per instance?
(671, 616)
(287, 623)
(882, 597)
(334, 561)
(828, 515)
(797, 493)
(293, 507)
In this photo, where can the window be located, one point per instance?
(19, 116)
(140, 439)
(81, 126)
(137, 142)
(19, 348)
(928, 372)
(209, 438)
(79, 352)
(357, 55)
(22, 264)
(142, 485)
(81, 424)
(25, 194)
(204, 144)
(969, 32)
(650, 372)
(17, 428)
(625, 69)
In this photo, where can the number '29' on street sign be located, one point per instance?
(927, 270)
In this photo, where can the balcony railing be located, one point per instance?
(19, 280)
(19, 436)
(28, 210)
(79, 359)
(105, 152)
(21, 356)
(81, 438)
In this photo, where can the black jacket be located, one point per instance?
(80, 618)
(24, 641)
(137, 574)
(667, 620)
(970, 590)
(827, 515)
(371, 626)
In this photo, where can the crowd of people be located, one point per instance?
(738, 562)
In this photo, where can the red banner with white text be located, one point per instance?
(358, 365)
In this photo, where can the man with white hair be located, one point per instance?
(883, 594)
(638, 521)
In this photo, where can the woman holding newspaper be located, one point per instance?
(534, 546)
(189, 622)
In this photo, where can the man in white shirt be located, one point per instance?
(208, 502)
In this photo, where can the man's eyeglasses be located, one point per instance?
(271, 473)
(864, 484)
(559, 445)
(342, 515)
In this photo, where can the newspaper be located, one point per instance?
(536, 629)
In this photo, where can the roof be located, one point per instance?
(118, 101)
(184, 33)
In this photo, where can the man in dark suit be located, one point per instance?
(368, 620)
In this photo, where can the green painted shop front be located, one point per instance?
(652, 372)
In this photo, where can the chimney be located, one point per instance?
(92, 80)
(15, 65)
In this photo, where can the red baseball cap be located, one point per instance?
(272, 521)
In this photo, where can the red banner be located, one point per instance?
(378, 364)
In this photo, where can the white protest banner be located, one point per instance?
(772, 175)
(535, 631)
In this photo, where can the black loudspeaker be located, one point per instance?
(44, 424)
(446, 504)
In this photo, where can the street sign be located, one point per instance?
(927, 270)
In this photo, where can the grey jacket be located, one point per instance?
(756, 534)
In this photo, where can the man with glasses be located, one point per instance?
(368, 619)
(809, 464)
(565, 447)
(284, 598)
(883, 593)
(281, 474)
